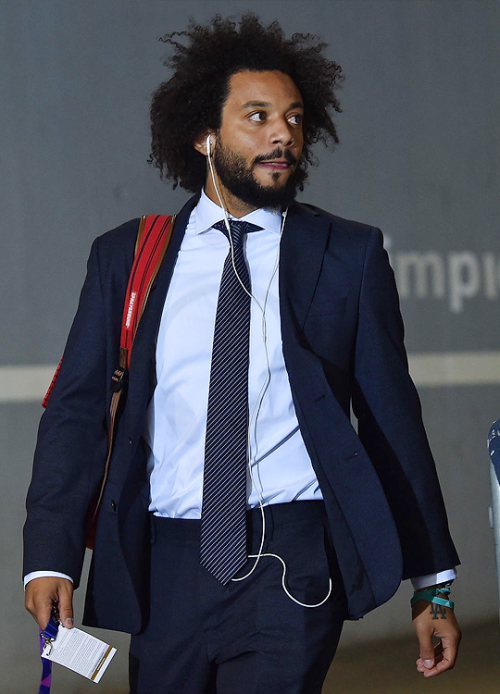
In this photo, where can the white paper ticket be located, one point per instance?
(80, 652)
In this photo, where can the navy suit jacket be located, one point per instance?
(343, 343)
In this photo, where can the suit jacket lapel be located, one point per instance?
(302, 249)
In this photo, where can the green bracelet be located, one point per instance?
(430, 595)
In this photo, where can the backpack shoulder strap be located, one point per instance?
(152, 241)
(151, 245)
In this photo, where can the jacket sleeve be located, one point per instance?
(387, 406)
(72, 439)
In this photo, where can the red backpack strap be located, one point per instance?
(153, 238)
(152, 241)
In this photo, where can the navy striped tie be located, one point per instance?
(223, 545)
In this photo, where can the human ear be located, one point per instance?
(205, 143)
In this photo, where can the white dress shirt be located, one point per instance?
(176, 417)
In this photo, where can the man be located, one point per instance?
(255, 340)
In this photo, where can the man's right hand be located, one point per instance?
(42, 593)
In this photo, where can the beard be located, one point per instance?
(238, 178)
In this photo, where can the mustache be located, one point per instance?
(277, 154)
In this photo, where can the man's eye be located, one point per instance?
(257, 117)
(296, 118)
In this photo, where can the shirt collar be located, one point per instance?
(207, 213)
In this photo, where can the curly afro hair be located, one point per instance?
(190, 103)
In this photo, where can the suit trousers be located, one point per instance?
(249, 636)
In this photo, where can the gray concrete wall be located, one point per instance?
(419, 158)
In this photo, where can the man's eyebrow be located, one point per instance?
(267, 104)
(253, 104)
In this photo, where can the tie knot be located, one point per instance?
(238, 229)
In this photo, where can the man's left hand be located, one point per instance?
(431, 620)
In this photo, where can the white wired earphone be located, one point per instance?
(258, 403)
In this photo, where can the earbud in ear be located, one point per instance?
(209, 145)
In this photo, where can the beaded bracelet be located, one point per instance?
(431, 595)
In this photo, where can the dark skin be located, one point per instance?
(432, 621)
(263, 112)
(42, 593)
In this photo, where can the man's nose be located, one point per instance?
(282, 134)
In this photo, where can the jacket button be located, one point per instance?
(130, 440)
(113, 504)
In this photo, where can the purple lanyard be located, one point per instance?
(47, 636)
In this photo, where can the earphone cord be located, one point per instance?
(259, 400)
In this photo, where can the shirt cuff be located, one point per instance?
(421, 582)
(43, 574)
